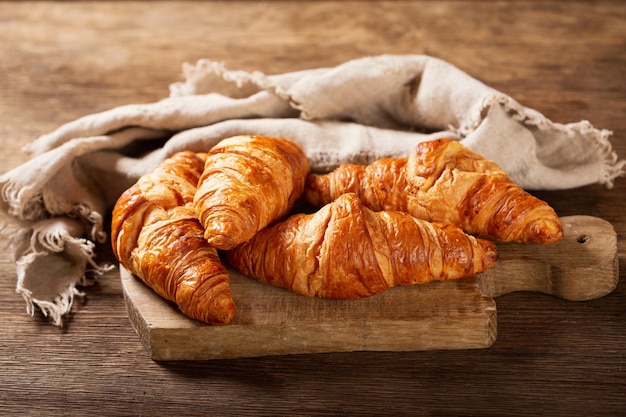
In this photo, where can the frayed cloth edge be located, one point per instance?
(612, 167)
(62, 304)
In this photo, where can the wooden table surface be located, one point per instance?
(567, 59)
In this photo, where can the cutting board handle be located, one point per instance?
(582, 266)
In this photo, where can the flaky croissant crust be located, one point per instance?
(157, 237)
(447, 182)
(396, 222)
(346, 251)
(247, 183)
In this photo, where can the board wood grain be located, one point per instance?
(435, 316)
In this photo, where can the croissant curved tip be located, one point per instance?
(222, 241)
(220, 311)
(210, 305)
(490, 253)
(544, 231)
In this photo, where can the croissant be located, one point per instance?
(346, 251)
(447, 182)
(156, 236)
(248, 182)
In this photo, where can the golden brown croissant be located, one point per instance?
(447, 182)
(346, 251)
(156, 236)
(248, 182)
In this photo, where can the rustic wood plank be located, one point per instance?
(271, 321)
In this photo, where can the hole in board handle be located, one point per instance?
(582, 239)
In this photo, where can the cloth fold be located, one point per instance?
(53, 206)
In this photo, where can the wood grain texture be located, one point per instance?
(60, 61)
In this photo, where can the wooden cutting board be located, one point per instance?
(440, 315)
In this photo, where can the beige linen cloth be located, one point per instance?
(54, 206)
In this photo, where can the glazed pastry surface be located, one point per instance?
(156, 236)
(248, 182)
(444, 181)
(347, 251)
